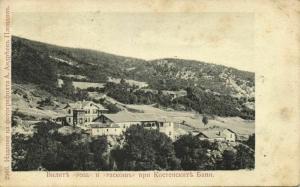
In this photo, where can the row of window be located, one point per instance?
(106, 130)
(98, 130)
(81, 120)
(124, 126)
(94, 111)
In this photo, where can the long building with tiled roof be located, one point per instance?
(116, 124)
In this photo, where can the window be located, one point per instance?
(69, 120)
(106, 130)
(85, 120)
(80, 120)
(69, 111)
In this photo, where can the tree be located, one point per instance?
(229, 158)
(81, 95)
(244, 157)
(205, 120)
(146, 150)
(193, 153)
(133, 99)
(112, 108)
(189, 92)
(68, 88)
(58, 152)
(122, 81)
(251, 141)
(46, 102)
(98, 148)
(117, 157)
(32, 66)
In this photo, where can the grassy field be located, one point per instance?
(130, 82)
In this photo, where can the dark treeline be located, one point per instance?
(50, 150)
(196, 99)
(127, 94)
(221, 105)
(31, 66)
(141, 149)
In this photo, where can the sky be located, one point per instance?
(221, 38)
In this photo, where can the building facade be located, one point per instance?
(218, 135)
(116, 124)
(229, 135)
(104, 130)
(83, 113)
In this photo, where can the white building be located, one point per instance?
(82, 113)
(229, 135)
(218, 135)
(116, 124)
(105, 129)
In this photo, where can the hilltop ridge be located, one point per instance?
(221, 90)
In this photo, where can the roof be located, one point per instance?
(215, 133)
(211, 134)
(102, 125)
(85, 85)
(134, 117)
(230, 130)
(180, 131)
(179, 92)
(82, 104)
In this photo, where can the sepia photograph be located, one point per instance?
(149, 93)
(132, 91)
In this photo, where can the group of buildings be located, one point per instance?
(94, 118)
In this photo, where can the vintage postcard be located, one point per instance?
(150, 93)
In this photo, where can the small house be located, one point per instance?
(229, 135)
(218, 135)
